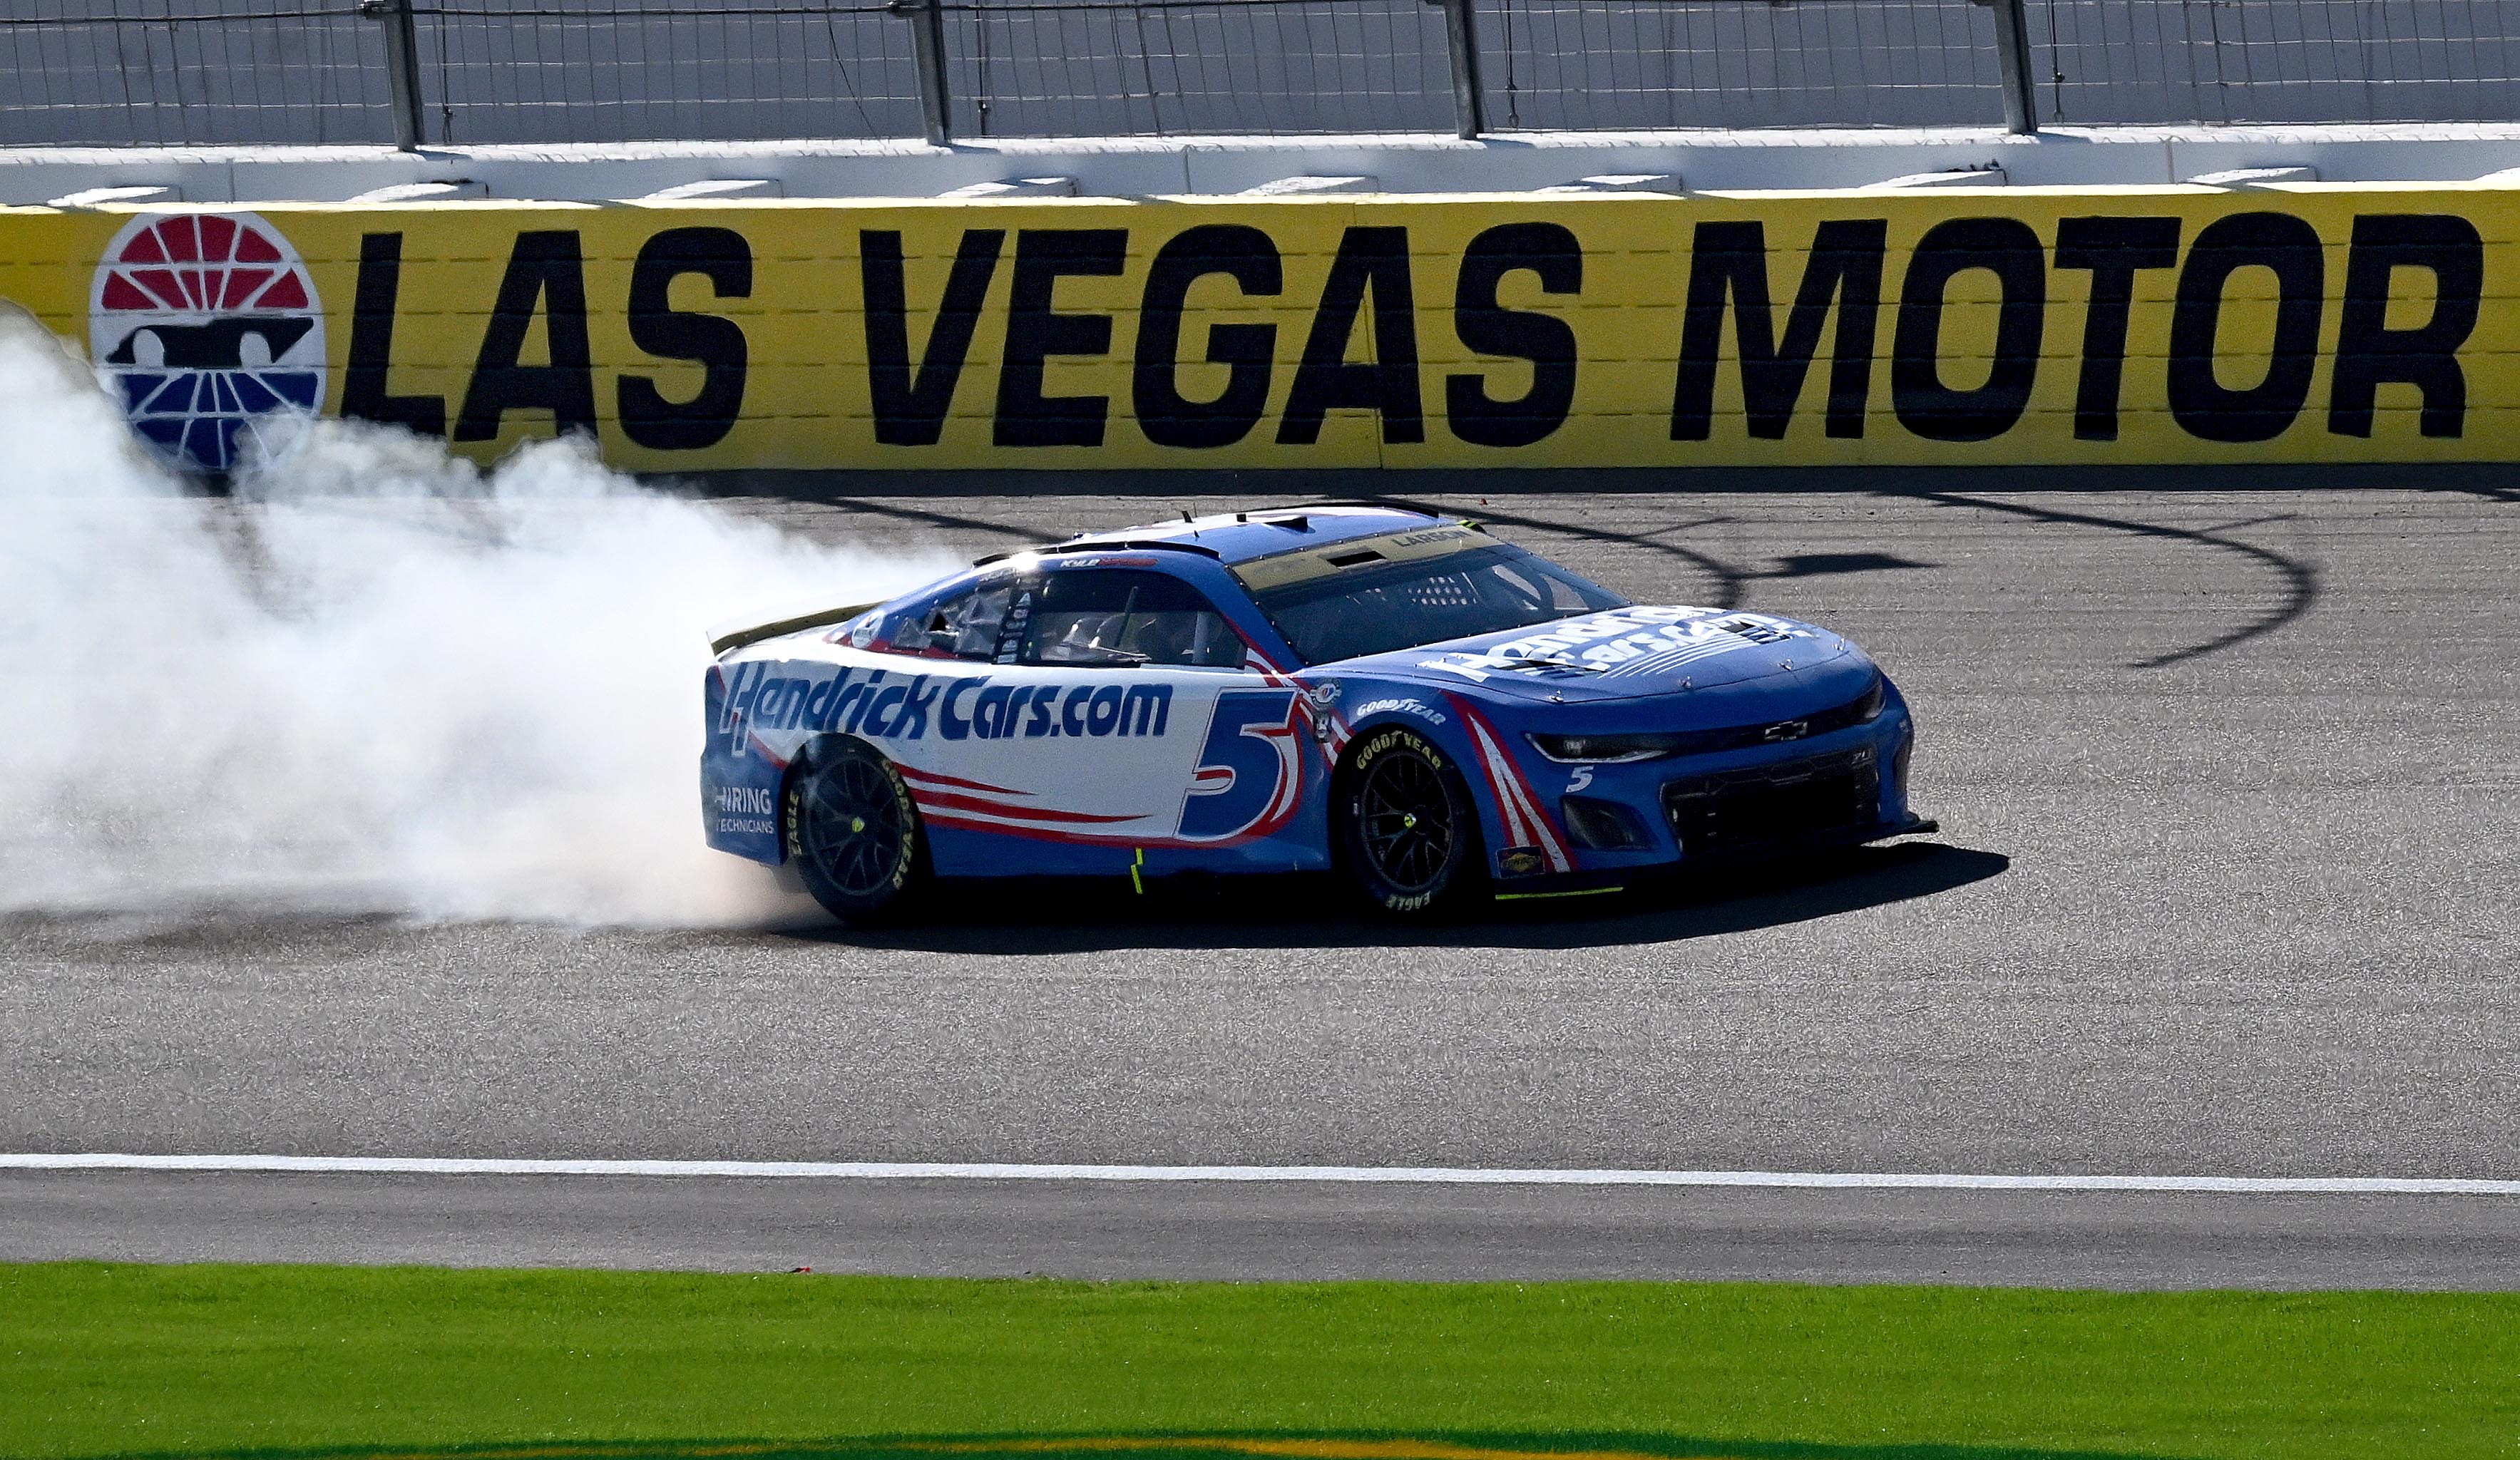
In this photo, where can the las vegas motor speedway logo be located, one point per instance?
(208, 329)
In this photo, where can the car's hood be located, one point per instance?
(1624, 654)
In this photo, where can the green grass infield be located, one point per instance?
(114, 1360)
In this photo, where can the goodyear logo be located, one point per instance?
(209, 331)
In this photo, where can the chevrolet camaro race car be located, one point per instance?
(1436, 715)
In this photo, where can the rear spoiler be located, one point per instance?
(1103, 545)
(726, 641)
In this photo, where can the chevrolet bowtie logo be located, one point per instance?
(1786, 729)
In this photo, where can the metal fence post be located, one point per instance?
(2013, 58)
(1462, 42)
(928, 53)
(402, 66)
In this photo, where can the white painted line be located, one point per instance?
(1371, 1175)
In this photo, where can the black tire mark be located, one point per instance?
(1729, 580)
(953, 521)
(2300, 579)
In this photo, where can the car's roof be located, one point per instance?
(1240, 537)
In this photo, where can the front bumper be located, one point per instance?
(1751, 855)
(1740, 807)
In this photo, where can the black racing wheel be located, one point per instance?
(854, 834)
(1409, 832)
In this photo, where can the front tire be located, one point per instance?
(1408, 832)
(854, 834)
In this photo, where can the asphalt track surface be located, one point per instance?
(2229, 884)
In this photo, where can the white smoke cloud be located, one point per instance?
(380, 680)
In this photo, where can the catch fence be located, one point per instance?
(456, 72)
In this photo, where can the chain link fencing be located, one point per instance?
(522, 72)
(2254, 60)
(1631, 65)
(122, 72)
(149, 71)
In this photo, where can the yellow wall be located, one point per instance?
(807, 396)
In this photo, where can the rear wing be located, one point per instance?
(728, 638)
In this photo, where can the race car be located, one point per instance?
(1432, 713)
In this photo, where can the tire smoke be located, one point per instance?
(375, 679)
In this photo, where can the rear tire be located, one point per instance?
(854, 834)
(1409, 832)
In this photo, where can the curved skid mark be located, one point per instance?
(2300, 579)
(1729, 580)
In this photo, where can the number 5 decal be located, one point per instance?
(1248, 771)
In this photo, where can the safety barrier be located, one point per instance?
(2015, 326)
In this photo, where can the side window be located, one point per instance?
(972, 621)
(1115, 617)
(962, 626)
(907, 632)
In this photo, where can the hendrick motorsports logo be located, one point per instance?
(210, 329)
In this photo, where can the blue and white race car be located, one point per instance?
(1436, 715)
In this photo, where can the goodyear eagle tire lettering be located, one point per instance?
(853, 833)
(1408, 836)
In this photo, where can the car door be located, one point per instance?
(1113, 712)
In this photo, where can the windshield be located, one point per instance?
(1400, 605)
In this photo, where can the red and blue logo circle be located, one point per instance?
(208, 329)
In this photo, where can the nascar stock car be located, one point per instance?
(1433, 714)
